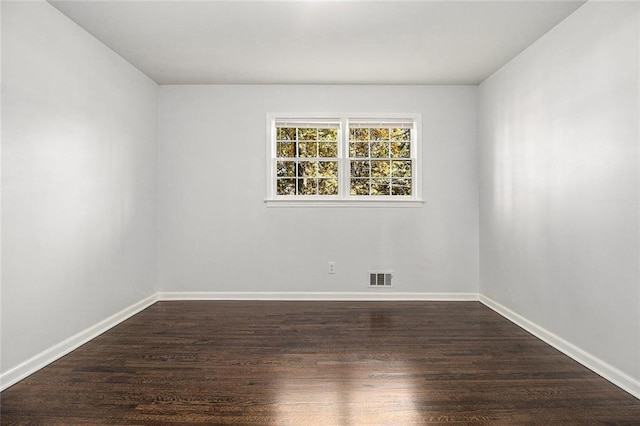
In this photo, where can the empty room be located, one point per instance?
(309, 212)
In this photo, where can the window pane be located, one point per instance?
(328, 149)
(286, 169)
(379, 134)
(286, 134)
(286, 149)
(286, 187)
(359, 187)
(308, 149)
(400, 150)
(400, 134)
(401, 169)
(359, 149)
(380, 187)
(328, 134)
(328, 169)
(360, 169)
(379, 149)
(380, 169)
(307, 186)
(307, 134)
(307, 169)
(359, 134)
(400, 187)
(328, 186)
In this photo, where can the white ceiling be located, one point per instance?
(317, 42)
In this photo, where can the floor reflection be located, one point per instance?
(316, 363)
(334, 392)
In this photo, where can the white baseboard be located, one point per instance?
(59, 350)
(320, 296)
(612, 374)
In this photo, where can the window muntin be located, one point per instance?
(344, 159)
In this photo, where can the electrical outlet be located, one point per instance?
(332, 267)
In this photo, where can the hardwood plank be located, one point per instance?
(316, 363)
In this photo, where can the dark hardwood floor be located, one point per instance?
(329, 363)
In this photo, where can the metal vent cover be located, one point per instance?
(380, 278)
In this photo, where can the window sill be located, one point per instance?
(280, 202)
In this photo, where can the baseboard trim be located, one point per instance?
(612, 374)
(320, 296)
(59, 350)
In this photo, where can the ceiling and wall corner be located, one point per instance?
(317, 42)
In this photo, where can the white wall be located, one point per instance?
(559, 183)
(216, 234)
(79, 131)
(559, 187)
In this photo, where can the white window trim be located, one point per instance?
(272, 200)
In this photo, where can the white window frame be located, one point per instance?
(344, 199)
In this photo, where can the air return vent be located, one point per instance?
(380, 278)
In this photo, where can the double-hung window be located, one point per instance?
(358, 160)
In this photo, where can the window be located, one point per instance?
(344, 160)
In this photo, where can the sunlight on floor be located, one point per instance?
(331, 393)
